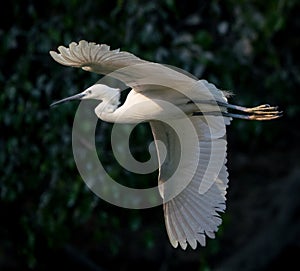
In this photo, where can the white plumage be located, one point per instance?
(194, 213)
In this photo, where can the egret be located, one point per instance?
(191, 215)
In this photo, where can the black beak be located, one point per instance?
(74, 97)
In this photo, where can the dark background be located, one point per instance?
(49, 219)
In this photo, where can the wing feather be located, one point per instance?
(133, 71)
(191, 216)
(178, 227)
(100, 59)
(171, 229)
(94, 57)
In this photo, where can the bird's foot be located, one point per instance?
(261, 109)
(261, 112)
(256, 116)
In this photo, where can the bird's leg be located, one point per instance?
(261, 112)
(253, 116)
(238, 116)
(261, 109)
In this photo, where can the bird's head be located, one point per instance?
(96, 92)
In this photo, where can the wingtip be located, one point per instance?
(174, 243)
(193, 243)
(57, 57)
(183, 244)
(52, 53)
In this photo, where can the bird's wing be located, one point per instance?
(124, 66)
(94, 57)
(192, 214)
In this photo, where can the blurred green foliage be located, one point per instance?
(246, 46)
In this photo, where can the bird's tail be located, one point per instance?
(219, 105)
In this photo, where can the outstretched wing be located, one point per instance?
(124, 66)
(192, 215)
(139, 74)
(94, 57)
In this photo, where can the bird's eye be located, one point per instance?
(90, 92)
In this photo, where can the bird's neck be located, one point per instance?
(109, 103)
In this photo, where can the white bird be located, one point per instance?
(191, 215)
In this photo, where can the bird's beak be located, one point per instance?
(74, 97)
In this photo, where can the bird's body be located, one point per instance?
(141, 107)
(162, 94)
